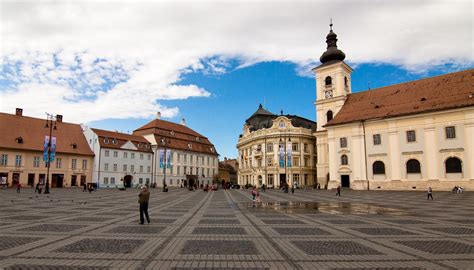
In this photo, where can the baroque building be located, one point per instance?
(277, 150)
(405, 136)
(22, 148)
(181, 155)
(122, 160)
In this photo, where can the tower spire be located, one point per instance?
(330, 24)
(332, 52)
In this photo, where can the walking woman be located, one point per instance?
(143, 199)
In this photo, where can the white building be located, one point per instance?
(404, 136)
(191, 159)
(120, 159)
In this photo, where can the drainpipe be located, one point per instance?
(365, 156)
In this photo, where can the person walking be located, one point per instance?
(338, 191)
(430, 193)
(18, 187)
(85, 188)
(37, 187)
(254, 194)
(143, 199)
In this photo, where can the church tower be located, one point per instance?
(333, 84)
(333, 81)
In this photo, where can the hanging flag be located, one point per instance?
(161, 153)
(288, 151)
(282, 156)
(52, 152)
(45, 148)
(168, 158)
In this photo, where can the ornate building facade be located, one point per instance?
(405, 136)
(277, 150)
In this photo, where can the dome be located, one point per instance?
(332, 53)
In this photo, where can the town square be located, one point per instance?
(236, 134)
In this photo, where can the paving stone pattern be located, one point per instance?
(73, 230)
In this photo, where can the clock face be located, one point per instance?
(328, 94)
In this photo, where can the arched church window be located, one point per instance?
(344, 160)
(329, 116)
(378, 167)
(328, 81)
(453, 165)
(413, 166)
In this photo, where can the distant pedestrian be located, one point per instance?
(293, 188)
(18, 187)
(143, 199)
(85, 188)
(37, 187)
(254, 193)
(338, 191)
(430, 193)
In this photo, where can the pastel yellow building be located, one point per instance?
(277, 150)
(405, 136)
(21, 152)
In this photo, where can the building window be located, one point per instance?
(411, 136)
(141, 156)
(344, 160)
(125, 154)
(18, 160)
(296, 179)
(305, 148)
(106, 153)
(149, 157)
(208, 172)
(115, 167)
(413, 166)
(132, 168)
(328, 81)
(106, 140)
(112, 180)
(270, 147)
(84, 164)
(114, 141)
(259, 147)
(378, 167)
(450, 132)
(115, 154)
(306, 162)
(36, 162)
(270, 179)
(329, 116)
(179, 170)
(4, 160)
(453, 165)
(377, 139)
(185, 170)
(132, 155)
(185, 157)
(58, 163)
(125, 167)
(106, 167)
(343, 142)
(345, 81)
(73, 163)
(140, 180)
(259, 162)
(296, 161)
(295, 146)
(148, 169)
(148, 180)
(106, 180)
(269, 161)
(141, 168)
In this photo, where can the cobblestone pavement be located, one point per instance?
(69, 229)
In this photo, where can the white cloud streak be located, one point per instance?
(117, 59)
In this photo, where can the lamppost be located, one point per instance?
(51, 124)
(164, 141)
(286, 156)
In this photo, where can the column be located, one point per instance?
(394, 154)
(430, 153)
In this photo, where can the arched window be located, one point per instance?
(345, 81)
(329, 116)
(453, 165)
(344, 160)
(413, 166)
(378, 167)
(328, 80)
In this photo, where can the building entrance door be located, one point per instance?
(73, 180)
(127, 181)
(345, 181)
(31, 179)
(57, 180)
(282, 180)
(15, 179)
(83, 180)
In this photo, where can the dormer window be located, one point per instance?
(147, 146)
(106, 140)
(138, 145)
(190, 146)
(74, 145)
(19, 139)
(282, 124)
(345, 81)
(114, 141)
(328, 81)
(212, 149)
(197, 139)
(172, 133)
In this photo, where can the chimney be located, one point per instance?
(183, 122)
(59, 118)
(158, 115)
(19, 112)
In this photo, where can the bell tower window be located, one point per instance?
(329, 116)
(328, 81)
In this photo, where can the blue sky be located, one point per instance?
(115, 64)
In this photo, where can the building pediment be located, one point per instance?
(129, 146)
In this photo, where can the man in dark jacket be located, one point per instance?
(143, 199)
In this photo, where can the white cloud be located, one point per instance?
(118, 59)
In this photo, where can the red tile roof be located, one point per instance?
(33, 130)
(450, 91)
(179, 136)
(120, 139)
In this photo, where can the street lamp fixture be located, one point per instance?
(51, 124)
(164, 142)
